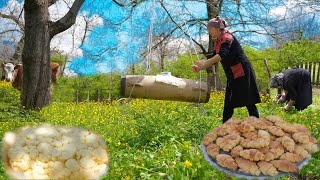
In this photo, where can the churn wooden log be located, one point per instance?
(164, 87)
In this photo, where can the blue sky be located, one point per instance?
(115, 47)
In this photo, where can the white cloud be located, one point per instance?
(59, 9)
(278, 11)
(289, 6)
(180, 45)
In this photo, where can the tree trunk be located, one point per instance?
(213, 76)
(269, 73)
(64, 64)
(36, 88)
(161, 62)
(36, 55)
(133, 69)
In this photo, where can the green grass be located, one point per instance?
(149, 139)
(316, 96)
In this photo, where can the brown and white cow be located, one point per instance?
(14, 73)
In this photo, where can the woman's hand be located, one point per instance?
(282, 99)
(197, 67)
(290, 103)
(286, 107)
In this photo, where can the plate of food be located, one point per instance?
(259, 148)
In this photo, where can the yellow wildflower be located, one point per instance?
(188, 163)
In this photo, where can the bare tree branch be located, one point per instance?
(9, 30)
(67, 21)
(121, 22)
(86, 28)
(169, 35)
(312, 4)
(14, 19)
(51, 2)
(219, 7)
(180, 27)
(134, 3)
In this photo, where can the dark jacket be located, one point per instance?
(297, 82)
(241, 88)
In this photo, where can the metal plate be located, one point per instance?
(241, 174)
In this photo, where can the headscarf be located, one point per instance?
(217, 23)
(277, 80)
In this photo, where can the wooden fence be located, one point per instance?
(93, 95)
(314, 69)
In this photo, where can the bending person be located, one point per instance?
(296, 88)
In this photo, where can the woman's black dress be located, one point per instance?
(297, 82)
(241, 88)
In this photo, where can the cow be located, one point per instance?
(14, 73)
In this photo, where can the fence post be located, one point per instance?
(313, 79)
(88, 98)
(269, 73)
(318, 76)
(99, 95)
(77, 96)
(310, 67)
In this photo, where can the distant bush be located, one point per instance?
(87, 86)
(59, 58)
(182, 67)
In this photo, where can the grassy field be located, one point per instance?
(149, 139)
(316, 96)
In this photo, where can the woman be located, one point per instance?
(241, 88)
(296, 85)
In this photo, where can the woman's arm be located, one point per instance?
(210, 62)
(291, 91)
(200, 65)
(290, 104)
(224, 52)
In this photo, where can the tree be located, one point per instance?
(213, 9)
(39, 31)
(167, 47)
